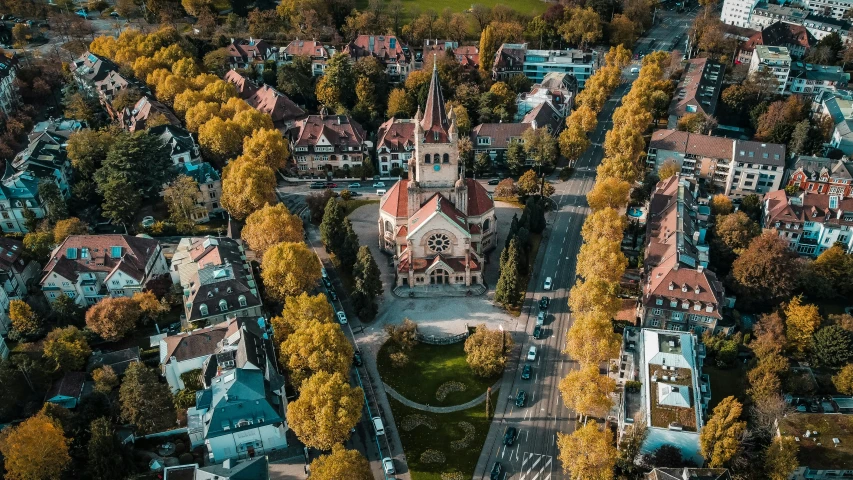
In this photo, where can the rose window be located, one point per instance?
(438, 242)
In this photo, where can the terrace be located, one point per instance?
(671, 398)
(825, 440)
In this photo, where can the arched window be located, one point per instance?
(202, 309)
(223, 305)
(242, 300)
(486, 225)
(445, 159)
(388, 226)
(426, 158)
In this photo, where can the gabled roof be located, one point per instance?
(307, 48)
(688, 474)
(500, 133)
(233, 396)
(438, 205)
(197, 343)
(279, 107)
(806, 207)
(102, 253)
(468, 56)
(386, 48)
(134, 119)
(699, 88)
(396, 134)
(692, 143)
(11, 259)
(245, 87)
(178, 139)
(93, 67)
(814, 167)
(118, 360)
(339, 130)
(253, 49)
(69, 386)
(396, 200)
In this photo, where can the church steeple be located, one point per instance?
(434, 122)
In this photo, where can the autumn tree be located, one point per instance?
(67, 348)
(843, 380)
(608, 192)
(605, 224)
(315, 347)
(105, 379)
(35, 449)
(719, 441)
(70, 226)
(588, 453)
(327, 408)
(669, 168)
(267, 147)
(145, 401)
(181, 198)
(587, 392)
(582, 26)
(270, 225)
(247, 187)
(24, 319)
(721, 205)
(486, 351)
(801, 321)
(341, 463)
(595, 295)
(299, 309)
(573, 141)
(540, 146)
(780, 458)
(488, 48)
(766, 271)
(113, 317)
(591, 339)
(769, 334)
(289, 268)
(735, 231)
(601, 259)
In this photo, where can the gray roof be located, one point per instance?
(500, 133)
(822, 73)
(178, 139)
(252, 469)
(689, 474)
(237, 395)
(757, 152)
(814, 166)
(118, 360)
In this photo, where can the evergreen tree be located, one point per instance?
(54, 201)
(536, 214)
(513, 229)
(508, 289)
(332, 229)
(105, 460)
(347, 253)
(367, 270)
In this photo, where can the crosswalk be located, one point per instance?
(535, 466)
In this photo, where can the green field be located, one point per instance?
(414, 7)
(429, 367)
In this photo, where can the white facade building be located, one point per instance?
(737, 12)
(775, 59)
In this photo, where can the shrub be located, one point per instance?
(399, 359)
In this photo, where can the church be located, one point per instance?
(437, 224)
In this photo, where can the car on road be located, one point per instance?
(388, 466)
(356, 359)
(540, 319)
(544, 302)
(548, 283)
(509, 436)
(354, 185)
(525, 372)
(114, 14)
(531, 354)
(333, 296)
(327, 283)
(520, 398)
(494, 181)
(342, 317)
(378, 184)
(538, 331)
(147, 221)
(331, 185)
(497, 470)
(317, 186)
(323, 273)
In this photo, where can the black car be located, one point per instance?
(544, 302)
(520, 398)
(497, 470)
(509, 436)
(538, 331)
(526, 371)
(356, 359)
(355, 194)
(494, 181)
(327, 283)
(332, 295)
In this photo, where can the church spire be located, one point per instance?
(434, 120)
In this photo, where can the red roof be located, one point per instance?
(102, 253)
(386, 48)
(339, 130)
(245, 87)
(396, 134)
(434, 121)
(479, 201)
(437, 203)
(306, 48)
(468, 56)
(396, 201)
(276, 104)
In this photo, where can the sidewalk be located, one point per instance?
(428, 408)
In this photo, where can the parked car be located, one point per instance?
(356, 359)
(538, 331)
(333, 296)
(531, 354)
(354, 185)
(526, 371)
(544, 302)
(327, 283)
(354, 194)
(114, 14)
(540, 319)
(148, 221)
(317, 186)
(323, 273)
(342, 317)
(520, 398)
(509, 436)
(388, 466)
(331, 185)
(548, 283)
(497, 470)
(494, 181)
(378, 184)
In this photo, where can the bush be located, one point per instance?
(399, 359)
(192, 380)
(633, 386)
(184, 399)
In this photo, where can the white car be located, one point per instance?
(148, 221)
(548, 283)
(540, 319)
(379, 185)
(531, 354)
(388, 465)
(342, 317)
(323, 273)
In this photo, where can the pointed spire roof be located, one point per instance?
(435, 123)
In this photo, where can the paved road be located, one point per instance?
(533, 455)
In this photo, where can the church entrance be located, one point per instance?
(439, 277)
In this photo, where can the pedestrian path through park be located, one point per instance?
(428, 408)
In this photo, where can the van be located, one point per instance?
(381, 192)
(377, 424)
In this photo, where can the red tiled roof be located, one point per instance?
(810, 207)
(245, 87)
(479, 201)
(396, 134)
(468, 56)
(396, 200)
(668, 282)
(307, 48)
(437, 203)
(434, 121)
(699, 88)
(251, 49)
(692, 143)
(383, 47)
(134, 255)
(201, 342)
(340, 130)
(276, 104)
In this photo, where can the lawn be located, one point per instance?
(431, 366)
(725, 383)
(351, 204)
(437, 443)
(413, 7)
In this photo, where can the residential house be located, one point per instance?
(241, 412)
(687, 473)
(796, 38)
(838, 105)
(187, 351)
(322, 143)
(90, 68)
(63, 127)
(514, 58)
(244, 85)
(495, 138)
(135, 119)
(390, 52)
(697, 91)
(251, 469)
(217, 280)
(557, 89)
(468, 56)
(318, 52)
(9, 96)
(395, 143)
(679, 292)
(774, 59)
(18, 194)
(433, 47)
(673, 396)
(732, 167)
(822, 175)
(180, 142)
(251, 53)
(808, 79)
(737, 12)
(266, 99)
(836, 9)
(118, 360)
(88, 268)
(810, 222)
(66, 391)
(45, 158)
(825, 444)
(17, 272)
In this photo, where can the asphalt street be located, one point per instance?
(533, 455)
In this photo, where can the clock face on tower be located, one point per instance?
(436, 167)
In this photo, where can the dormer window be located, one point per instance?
(210, 294)
(202, 309)
(685, 304)
(697, 306)
(223, 305)
(673, 303)
(242, 300)
(659, 301)
(696, 290)
(671, 286)
(684, 288)
(709, 308)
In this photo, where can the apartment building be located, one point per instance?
(838, 105)
(395, 145)
(388, 49)
(836, 9)
(732, 167)
(318, 52)
(822, 175)
(697, 91)
(812, 80)
(765, 14)
(514, 58)
(323, 143)
(9, 96)
(737, 12)
(824, 441)
(796, 38)
(810, 222)
(775, 59)
(252, 53)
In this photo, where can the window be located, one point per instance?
(673, 303)
(655, 322)
(116, 282)
(445, 158)
(426, 158)
(659, 301)
(656, 312)
(223, 305)
(242, 300)
(202, 309)
(486, 225)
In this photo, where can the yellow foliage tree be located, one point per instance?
(595, 295)
(250, 121)
(246, 187)
(801, 321)
(221, 139)
(315, 347)
(267, 147)
(720, 440)
(113, 318)
(588, 453)
(23, 319)
(325, 412)
(602, 259)
(197, 113)
(587, 392)
(270, 225)
(591, 339)
(288, 269)
(300, 309)
(487, 351)
(35, 450)
(608, 193)
(605, 223)
(341, 463)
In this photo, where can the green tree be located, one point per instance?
(105, 459)
(121, 199)
(508, 289)
(66, 311)
(482, 163)
(37, 245)
(347, 253)
(54, 201)
(181, 197)
(515, 158)
(145, 401)
(540, 146)
(720, 440)
(297, 80)
(332, 229)
(336, 88)
(67, 349)
(140, 159)
(487, 350)
(833, 346)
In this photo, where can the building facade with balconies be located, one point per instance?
(809, 222)
(323, 143)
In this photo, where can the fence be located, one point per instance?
(435, 340)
